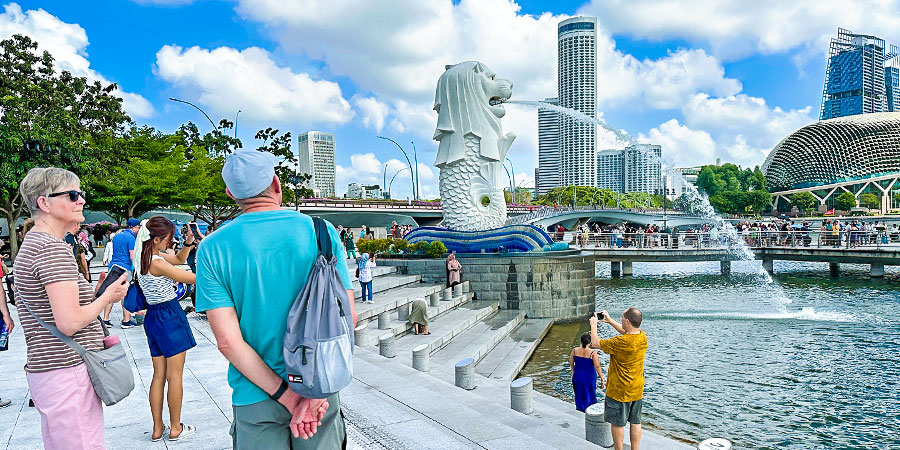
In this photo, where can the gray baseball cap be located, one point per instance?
(248, 172)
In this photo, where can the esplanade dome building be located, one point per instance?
(858, 154)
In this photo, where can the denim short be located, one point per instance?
(617, 413)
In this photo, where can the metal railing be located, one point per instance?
(870, 240)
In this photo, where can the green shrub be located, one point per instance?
(421, 246)
(364, 246)
(400, 245)
(436, 249)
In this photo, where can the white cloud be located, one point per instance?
(67, 42)
(737, 128)
(733, 28)
(374, 112)
(226, 79)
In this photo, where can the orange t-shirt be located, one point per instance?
(626, 366)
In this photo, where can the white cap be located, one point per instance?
(248, 172)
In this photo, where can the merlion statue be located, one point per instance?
(472, 146)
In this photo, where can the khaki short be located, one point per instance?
(264, 425)
(618, 413)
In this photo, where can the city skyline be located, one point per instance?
(698, 88)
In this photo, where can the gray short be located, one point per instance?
(617, 413)
(265, 425)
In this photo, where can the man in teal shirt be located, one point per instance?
(249, 272)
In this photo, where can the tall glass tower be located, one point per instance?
(577, 40)
(546, 175)
(855, 80)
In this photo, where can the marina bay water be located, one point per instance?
(806, 361)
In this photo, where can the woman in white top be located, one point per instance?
(364, 270)
(168, 332)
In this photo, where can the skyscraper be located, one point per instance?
(609, 169)
(546, 175)
(577, 53)
(855, 80)
(637, 168)
(316, 156)
(892, 87)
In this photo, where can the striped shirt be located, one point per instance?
(156, 289)
(42, 260)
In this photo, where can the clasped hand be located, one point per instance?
(306, 414)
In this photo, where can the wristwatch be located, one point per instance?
(281, 390)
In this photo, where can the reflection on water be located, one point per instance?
(812, 364)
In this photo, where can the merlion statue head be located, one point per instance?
(468, 100)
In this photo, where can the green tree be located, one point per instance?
(870, 200)
(48, 119)
(845, 201)
(804, 201)
(292, 181)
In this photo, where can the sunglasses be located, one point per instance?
(73, 195)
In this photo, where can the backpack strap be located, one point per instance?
(322, 238)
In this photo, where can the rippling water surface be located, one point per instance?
(807, 361)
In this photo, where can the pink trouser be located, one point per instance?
(71, 413)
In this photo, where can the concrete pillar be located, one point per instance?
(615, 268)
(447, 294)
(384, 320)
(403, 313)
(387, 345)
(361, 334)
(876, 270)
(457, 290)
(627, 268)
(834, 269)
(596, 430)
(769, 265)
(434, 299)
(466, 287)
(421, 355)
(465, 374)
(520, 395)
(725, 267)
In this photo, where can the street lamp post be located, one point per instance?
(416, 158)
(392, 182)
(198, 109)
(235, 123)
(384, 180)
(415, 192)
(513, 169)
(511, 200)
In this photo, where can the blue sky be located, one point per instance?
(705, 80)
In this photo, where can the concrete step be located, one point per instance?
(477, 341)
(405, 327)
(439, 415)
(386, 282)
(443, 331)
(504, 362)
(392, 299)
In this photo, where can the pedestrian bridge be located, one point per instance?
(570, 218)
(877, 249)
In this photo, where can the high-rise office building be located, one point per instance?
(316, 156)
(546, 175)
(637, 168)
(856, 79)
(365, 192)
(892, 87)
(577, 54)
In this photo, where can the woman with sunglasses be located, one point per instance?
(49, 286)
(168, 332)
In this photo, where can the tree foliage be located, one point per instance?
(734, 190)
(870, 200)
(804, 201)
(599, 197)
(49, 119)
(845, 201)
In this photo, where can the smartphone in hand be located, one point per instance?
(195, 230)
(113, 276)
(599, 316)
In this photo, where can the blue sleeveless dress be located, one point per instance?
(584, 380)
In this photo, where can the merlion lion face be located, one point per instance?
(495, 91)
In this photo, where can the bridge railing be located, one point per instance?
(540, 213)
(874, 239)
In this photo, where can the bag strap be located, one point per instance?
(322, 238)
(59, 334)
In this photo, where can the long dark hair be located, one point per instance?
(159, 227)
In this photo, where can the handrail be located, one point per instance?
(757, 239)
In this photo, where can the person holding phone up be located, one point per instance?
(48, 282)
(625, 389)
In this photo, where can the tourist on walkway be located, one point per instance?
(585, 365)
(349, 244)
(625, 390)
(168, 333)
(364, 271)
(419, 316)
(249, 272)
(48, 283)
(454, 271)
(123, 248)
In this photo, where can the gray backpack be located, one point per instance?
(318, 342)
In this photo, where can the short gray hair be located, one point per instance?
(42, 181)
